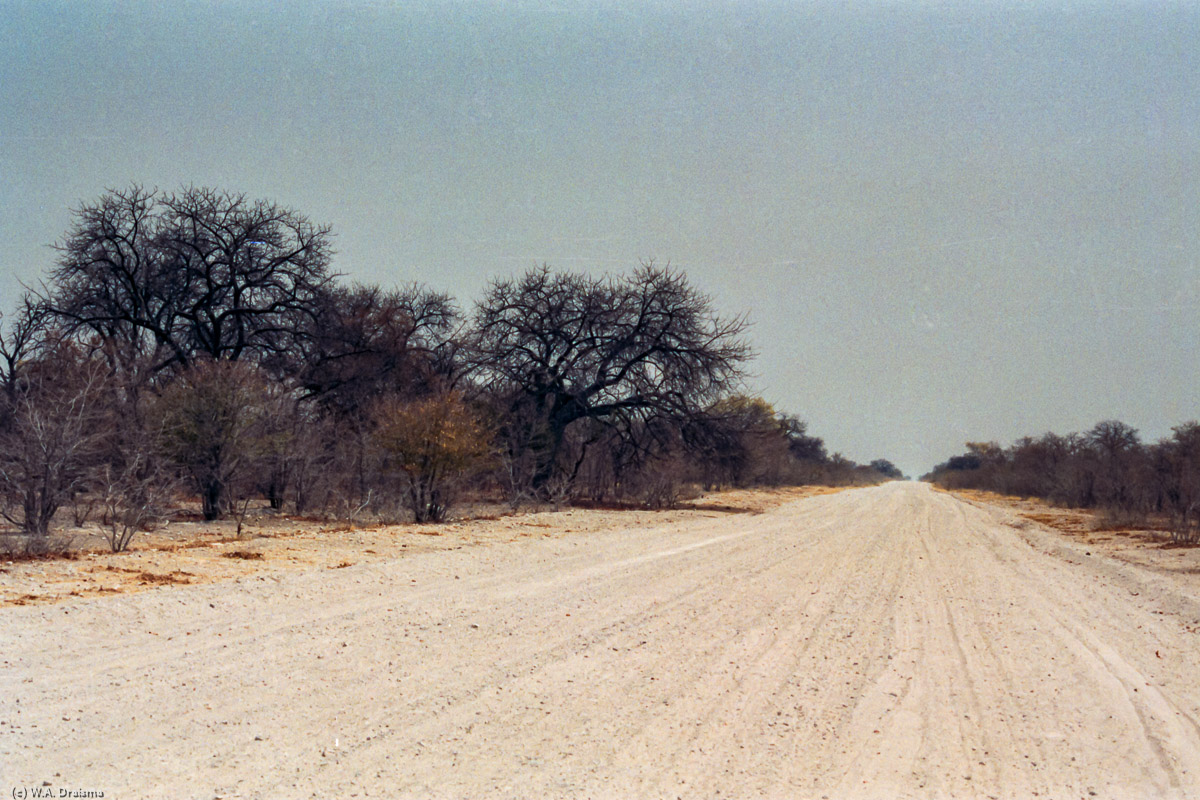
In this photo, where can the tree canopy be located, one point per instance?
(198, 273)
(574, 347)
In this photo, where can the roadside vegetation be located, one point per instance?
(197, 349)
(1107, 468)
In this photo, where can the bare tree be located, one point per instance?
(1179, 480)
(110, 279)
(24, 335)
(198, 273)
(314, 476)
(213, 423)
(48, 436)
(366, 341)
(561, 348)
(133, 496)
(1117, 456)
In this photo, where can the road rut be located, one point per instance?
(887, 642)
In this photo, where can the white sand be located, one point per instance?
(879, 643)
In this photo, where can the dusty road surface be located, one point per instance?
(879, 643)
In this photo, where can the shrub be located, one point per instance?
(433, 444)
(213, 420)
(49, 434)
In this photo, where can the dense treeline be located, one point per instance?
(199, 344)
(1107, 468)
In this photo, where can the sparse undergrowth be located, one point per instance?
(193, 552)
(1123, 537)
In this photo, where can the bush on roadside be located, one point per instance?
(433, 445)
(1107, 468)
(213, 422)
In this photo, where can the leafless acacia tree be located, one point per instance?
(1117, 458)
(133, 496)
(571, 347)
(49, 433)
(22, 335)
(1178, 469)
(213, 422)
(200, 273)
(366, 341)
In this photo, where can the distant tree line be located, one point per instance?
(1107, 468)
(199, 342)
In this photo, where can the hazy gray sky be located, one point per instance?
(947, 221)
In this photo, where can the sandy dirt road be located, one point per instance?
(888, 642)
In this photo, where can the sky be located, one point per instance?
(945, 221)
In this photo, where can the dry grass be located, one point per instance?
(245, 555)
(192, 552)
(1146, 542)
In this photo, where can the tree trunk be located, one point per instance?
(212, 500)
(548, 458)
(39, 510)
(275, 493)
